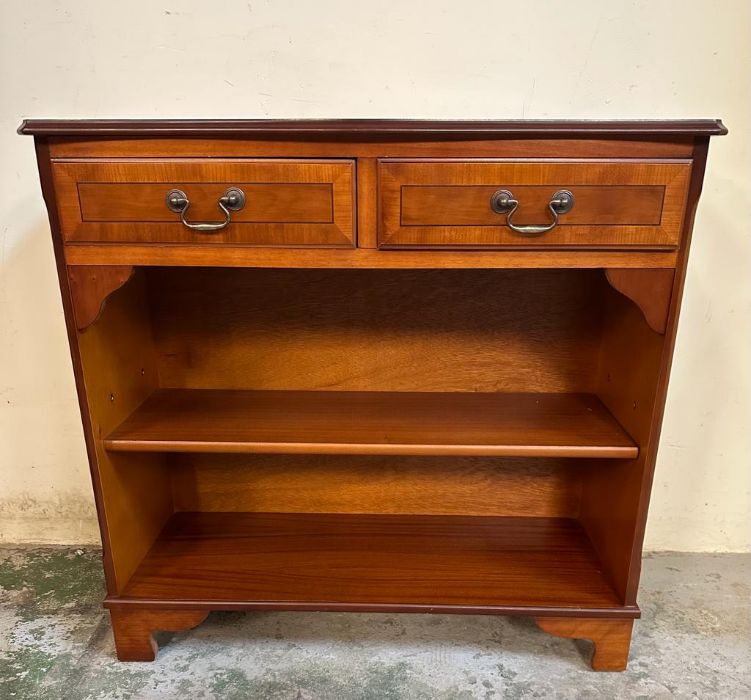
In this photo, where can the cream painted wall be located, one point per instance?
(342, 58)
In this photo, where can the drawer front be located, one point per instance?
(287, 202)
(448, 203)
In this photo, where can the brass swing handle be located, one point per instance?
(232, 200)
(503, 202)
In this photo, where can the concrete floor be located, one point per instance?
(694, 641)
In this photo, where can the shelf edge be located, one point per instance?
(626, 611)
(587, 452)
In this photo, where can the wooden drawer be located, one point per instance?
(288, 202)
(447, 203)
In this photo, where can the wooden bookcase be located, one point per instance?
(374, 388)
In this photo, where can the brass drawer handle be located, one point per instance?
(503, 202)
(232, 200)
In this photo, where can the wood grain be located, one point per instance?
(407, 341)
(267, 202)
(328, 422)
(434, 203)
(469, 205)
(633, 378)
(377, 484)
(372, 559)
(467, 146)
(442, 330)
(119, 371)
(650, 290)
(367, 203)
(90, 285)
(612, 638)
(48, 192)
(134, 629)
(289, 202)
(175, 255)
(628, 372)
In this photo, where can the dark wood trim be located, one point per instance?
(368, 128)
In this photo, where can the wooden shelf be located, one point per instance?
(372, 562)
(332, 422)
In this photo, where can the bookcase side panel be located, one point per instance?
(119, 371)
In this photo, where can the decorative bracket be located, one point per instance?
(134, 629)
(612, 638)
(650, 289)
(90, 285)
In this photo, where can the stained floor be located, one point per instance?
(694, 641)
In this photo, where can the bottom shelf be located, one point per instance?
(373, 562)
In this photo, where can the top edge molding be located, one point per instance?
(357, 128)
